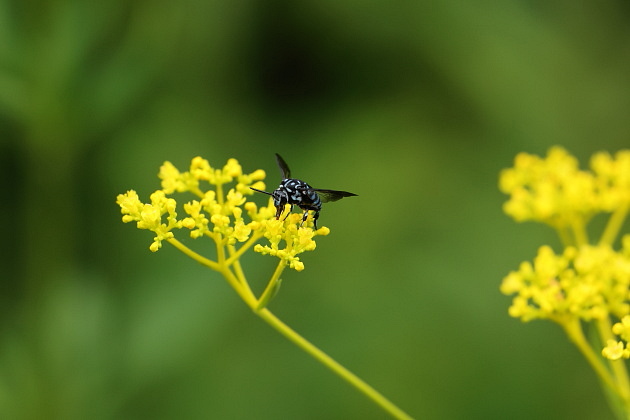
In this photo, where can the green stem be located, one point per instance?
(236, 267)
(219, 193)
(237, 254)
(614, 225)
(574, 331)
(240, 285)
(218, 240)
(333, 365)
(192, 254)
(238, 282)
(197, 192)
(564, 235)
(272, 286)
(578, 226)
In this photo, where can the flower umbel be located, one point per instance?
(218, 209)
(588, 283)
(217, 213)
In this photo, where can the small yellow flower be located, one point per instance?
(622, 329)
(296, 264)
(175, 181)
(197, 220)
(233, 200)
(189, 223)
(615, 350)
(245, 181)
(232, 169)
(241, 231)
(220, 221)
(130, 206)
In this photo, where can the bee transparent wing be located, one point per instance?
(332, 195)
(284, 168)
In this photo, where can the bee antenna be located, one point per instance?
(260, 191)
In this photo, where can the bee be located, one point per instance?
(296, 192)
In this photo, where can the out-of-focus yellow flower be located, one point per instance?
(612, 179)
(587, 283)
(552, 190)
(615, 350)
(622, 328)
(555, 191)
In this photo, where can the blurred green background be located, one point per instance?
(415, 106)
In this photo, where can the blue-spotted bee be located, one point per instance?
(296, 192)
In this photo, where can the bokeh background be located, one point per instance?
(414, 105)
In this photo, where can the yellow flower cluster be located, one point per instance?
(218, 212)
(149, 216)
(554, 190)
(300, 240)
(590, 282)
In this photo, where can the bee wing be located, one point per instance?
(332, 195)
(284, 168)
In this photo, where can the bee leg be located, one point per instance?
(304, 217)
(281, 209)
(315, 217)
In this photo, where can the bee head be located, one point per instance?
(280, 197)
